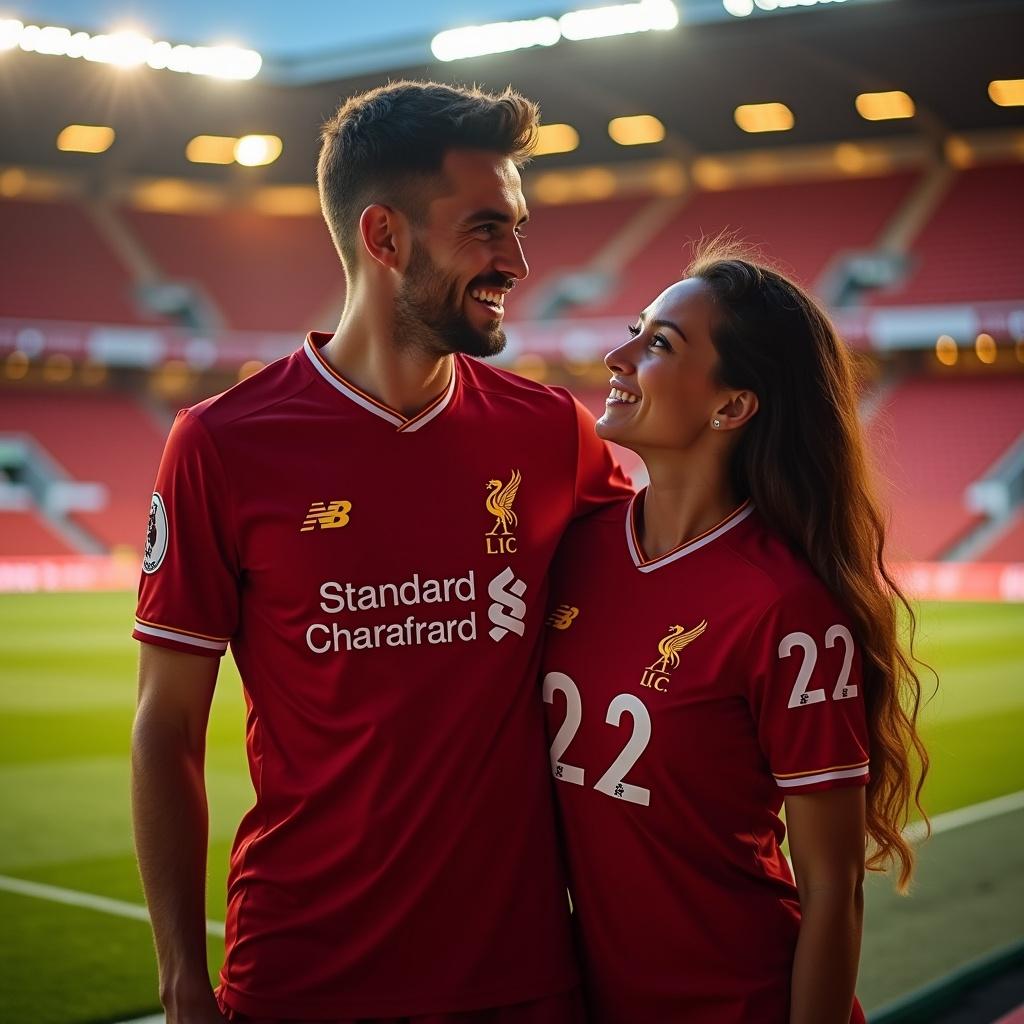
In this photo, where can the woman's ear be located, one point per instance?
(739, 409)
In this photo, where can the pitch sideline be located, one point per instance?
(941, 823)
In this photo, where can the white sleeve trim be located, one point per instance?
(807, 780)
(183, 638)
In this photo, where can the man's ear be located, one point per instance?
(738, 409)
(382, 231)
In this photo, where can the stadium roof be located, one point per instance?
(943, 53)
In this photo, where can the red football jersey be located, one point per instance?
(687, 696)
(382, 583)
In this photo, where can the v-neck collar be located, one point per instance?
(403, 424)
(645, 564)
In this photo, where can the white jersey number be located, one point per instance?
(611, 783)
(801, 696)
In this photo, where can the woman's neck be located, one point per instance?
(683, 500)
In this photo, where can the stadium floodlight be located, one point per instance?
(129, 48)
(636, 130)
(624, 19)
(497, 37)
(124, 49)
(1007, 92)
(884, 106)
(10, 33)
(556, 138)
(257, 150)
(85, 138)
(764, 117)
(744, 8)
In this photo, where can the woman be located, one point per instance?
(721, 644)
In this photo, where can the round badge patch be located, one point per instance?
(156, 535)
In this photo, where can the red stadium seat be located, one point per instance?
(104, 438)
(801, 226)
(931, 438)
(262, 273)
(970, 249)
(27, 535)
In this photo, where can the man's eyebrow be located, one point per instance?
(491, 214)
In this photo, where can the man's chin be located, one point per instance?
(482, 344)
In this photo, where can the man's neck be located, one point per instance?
(365, 352)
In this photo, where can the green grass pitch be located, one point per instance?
(67, 669)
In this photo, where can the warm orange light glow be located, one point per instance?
(288, 200)
(1007, 92)
(764, 117)
(211, 149)
(884, 106)
(57, 368)
(946, 350)
(636, 130)
(985, 348)
(556, 138)
(85, 138)
(247, 369)
(959, 152)
(16, 365)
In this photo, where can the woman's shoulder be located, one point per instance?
(773, 570)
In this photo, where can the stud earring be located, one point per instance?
(716, 423)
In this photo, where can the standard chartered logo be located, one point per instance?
(507, 610)
(429, 611)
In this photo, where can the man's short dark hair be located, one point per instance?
(384, 145)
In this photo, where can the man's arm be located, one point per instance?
(826, 839)
(171, 823)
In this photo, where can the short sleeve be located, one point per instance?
(188, 593)
(600, 479)
(807, 694)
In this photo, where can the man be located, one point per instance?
(369, 523)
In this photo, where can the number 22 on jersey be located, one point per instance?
(611, 783)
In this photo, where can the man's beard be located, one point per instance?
(429, 312)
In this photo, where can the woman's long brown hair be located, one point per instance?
(801, 460)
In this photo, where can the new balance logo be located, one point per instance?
(508, 611)
(563, 616)
(326, 516)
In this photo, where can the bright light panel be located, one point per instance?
(131, 49)
(624, 19)
(498, 37)
(1007, 92)
(764, 117)
(884, 106)
(590, 23)
(637, 130)
(556, 138)
(211, 149)
(257, 150)
(743, 8)
(85, 138)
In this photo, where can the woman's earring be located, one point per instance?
(716, 423)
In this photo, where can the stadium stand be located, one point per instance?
(564, 238)
(935, 437)
(95, 437)
(64, 268)
(802, 226)
(969, 250)
(262, 273)
(1009, 545)
(26, 535)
